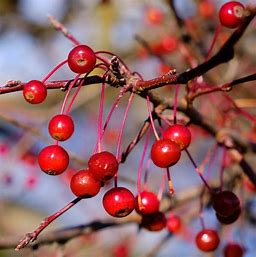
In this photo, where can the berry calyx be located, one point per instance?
(207, 240)
(148, 203)
(61, 127)
(34, 92)
(103, 166)
(119, 202)
(81, 59)
(231, 14)
(179, 134)
(84, 185)
(174, 223)
(225, 203)
(233, 250)
(53, 160)
(154, 222)
(165, 153)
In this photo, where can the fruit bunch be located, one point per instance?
(171, 137)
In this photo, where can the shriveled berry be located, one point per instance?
(81, 59)
(165, 153)
(225, 203)
(119, 202)
(179, 134)
(229, 219)
(53, 159)
(34, 92)
(207, 240)
(233, 250)
(231, 14)
(84, 185)
(61, 127)
(148, 203)
(103, 166)
(154, 222)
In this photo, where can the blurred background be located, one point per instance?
(30, 47)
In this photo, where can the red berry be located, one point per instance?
(165, 153)
(179, 134)
(154, 15)
(34, 92)
(229, 219)
(207, 240)
(119, 202)
(103, 166)
(154, 222)
(231, 14)
(53, 160)
(233, 250)
(206, 9)
(84, 185)
(174, 223)
(81, 59)
(149, 203)
(225, 203)
(61, 127)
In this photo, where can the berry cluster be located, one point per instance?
(165, 152)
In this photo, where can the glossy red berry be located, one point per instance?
(61, 127)
(231, 14)
(233, 250)
(34, 92)
(53, 159)
(119, 202)
(179, 134)
(84, 185)
(154, 222)
(103, 166)
(225, 203)
(207, 240)
(174, 223)
(165, 153)
(149, 203)
(229, 219)
(81, 59)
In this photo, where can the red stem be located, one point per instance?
(75, 95)
(151, 119)
(122, 130)
(53, 71)
(120, 95)
(201, 214)
(146, 174)
(170, 186)
(141, 163)
(198, 172)
(177, 90)
(102, 96)
(30, 237)
(68, 93)
(216, 34)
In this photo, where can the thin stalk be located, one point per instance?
(151, 119)
(170, 185)
(140, 170)
(53, 71)
(122, 130)
(177, 90)
(102, 96)
(68, 93)
(198, 171)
